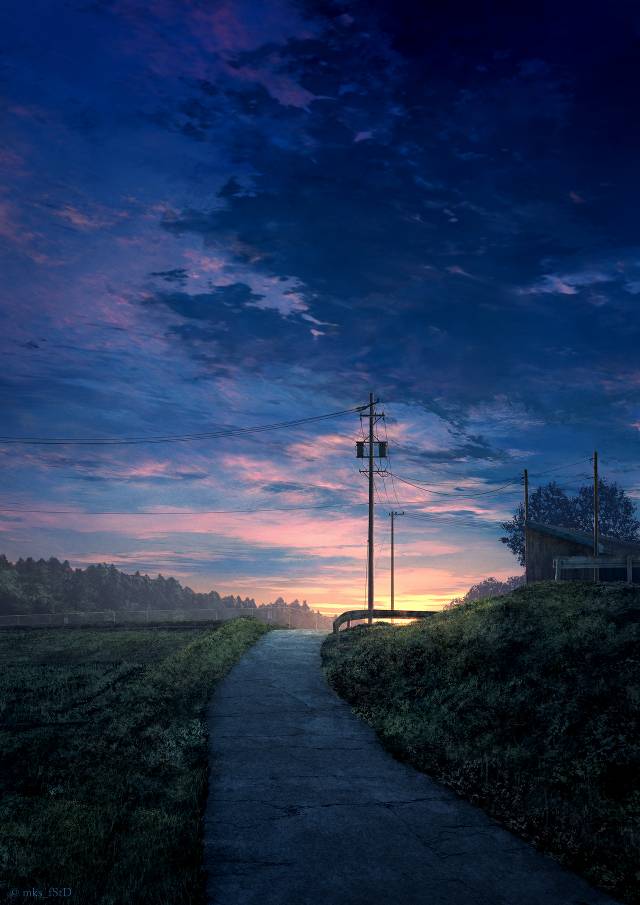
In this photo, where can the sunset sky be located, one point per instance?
(231, 214)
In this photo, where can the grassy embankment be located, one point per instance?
(103, 759)
(528, 705)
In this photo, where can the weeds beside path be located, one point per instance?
(528, 705)
(103, 759)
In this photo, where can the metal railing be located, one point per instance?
(285, 616)
(353, 615)
(626, 564)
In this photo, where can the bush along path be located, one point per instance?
(306, 806)
(528, 705)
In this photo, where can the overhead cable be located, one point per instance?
(177, 438)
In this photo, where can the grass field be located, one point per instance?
(528, 705)
(103, 759)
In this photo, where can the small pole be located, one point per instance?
(393, 516)
(596, 515)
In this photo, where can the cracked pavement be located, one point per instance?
(305, 806)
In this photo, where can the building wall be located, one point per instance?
(541, 550)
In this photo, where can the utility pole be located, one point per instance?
(370, 541)
(596, 514)
(526, 517)
(371, 454)
(393, 515)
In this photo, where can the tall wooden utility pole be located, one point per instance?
(596, 514)
(371, 454)
(371, 501)
(393, 515)
(526, 517)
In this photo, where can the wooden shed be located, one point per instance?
(545, 543)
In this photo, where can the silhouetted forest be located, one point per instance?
(50, 586)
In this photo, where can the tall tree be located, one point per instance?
(617, 513)
(550, 505)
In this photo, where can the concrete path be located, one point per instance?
(306, 807)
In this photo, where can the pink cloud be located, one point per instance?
(27, 241)
(223, 33)
(11, 162)
(89, 220)
(281, 87)
(333, 585)
(238, 26)
(321, 446)
(27, 112)
(254, 470)
(566, 284)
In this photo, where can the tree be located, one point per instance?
(550, 505)
(488, 587)
(617, 513)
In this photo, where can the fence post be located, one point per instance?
(556, 562)
(629, 569)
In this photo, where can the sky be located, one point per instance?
(227, 213)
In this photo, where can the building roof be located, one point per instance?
(606, 545)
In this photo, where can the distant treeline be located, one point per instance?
(50, 586)
(489, 587)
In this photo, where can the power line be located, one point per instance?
(178, 438)
(539, 474)
(179, 512)
(458, 517)
(393, 483)
(462, 519)
(426, 484)
(446, 476)
(459, 493)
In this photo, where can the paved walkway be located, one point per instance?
(306, 807)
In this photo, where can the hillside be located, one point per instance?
(528, 704)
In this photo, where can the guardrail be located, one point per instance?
(285, 616)
(380, 614)
(595, 563)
